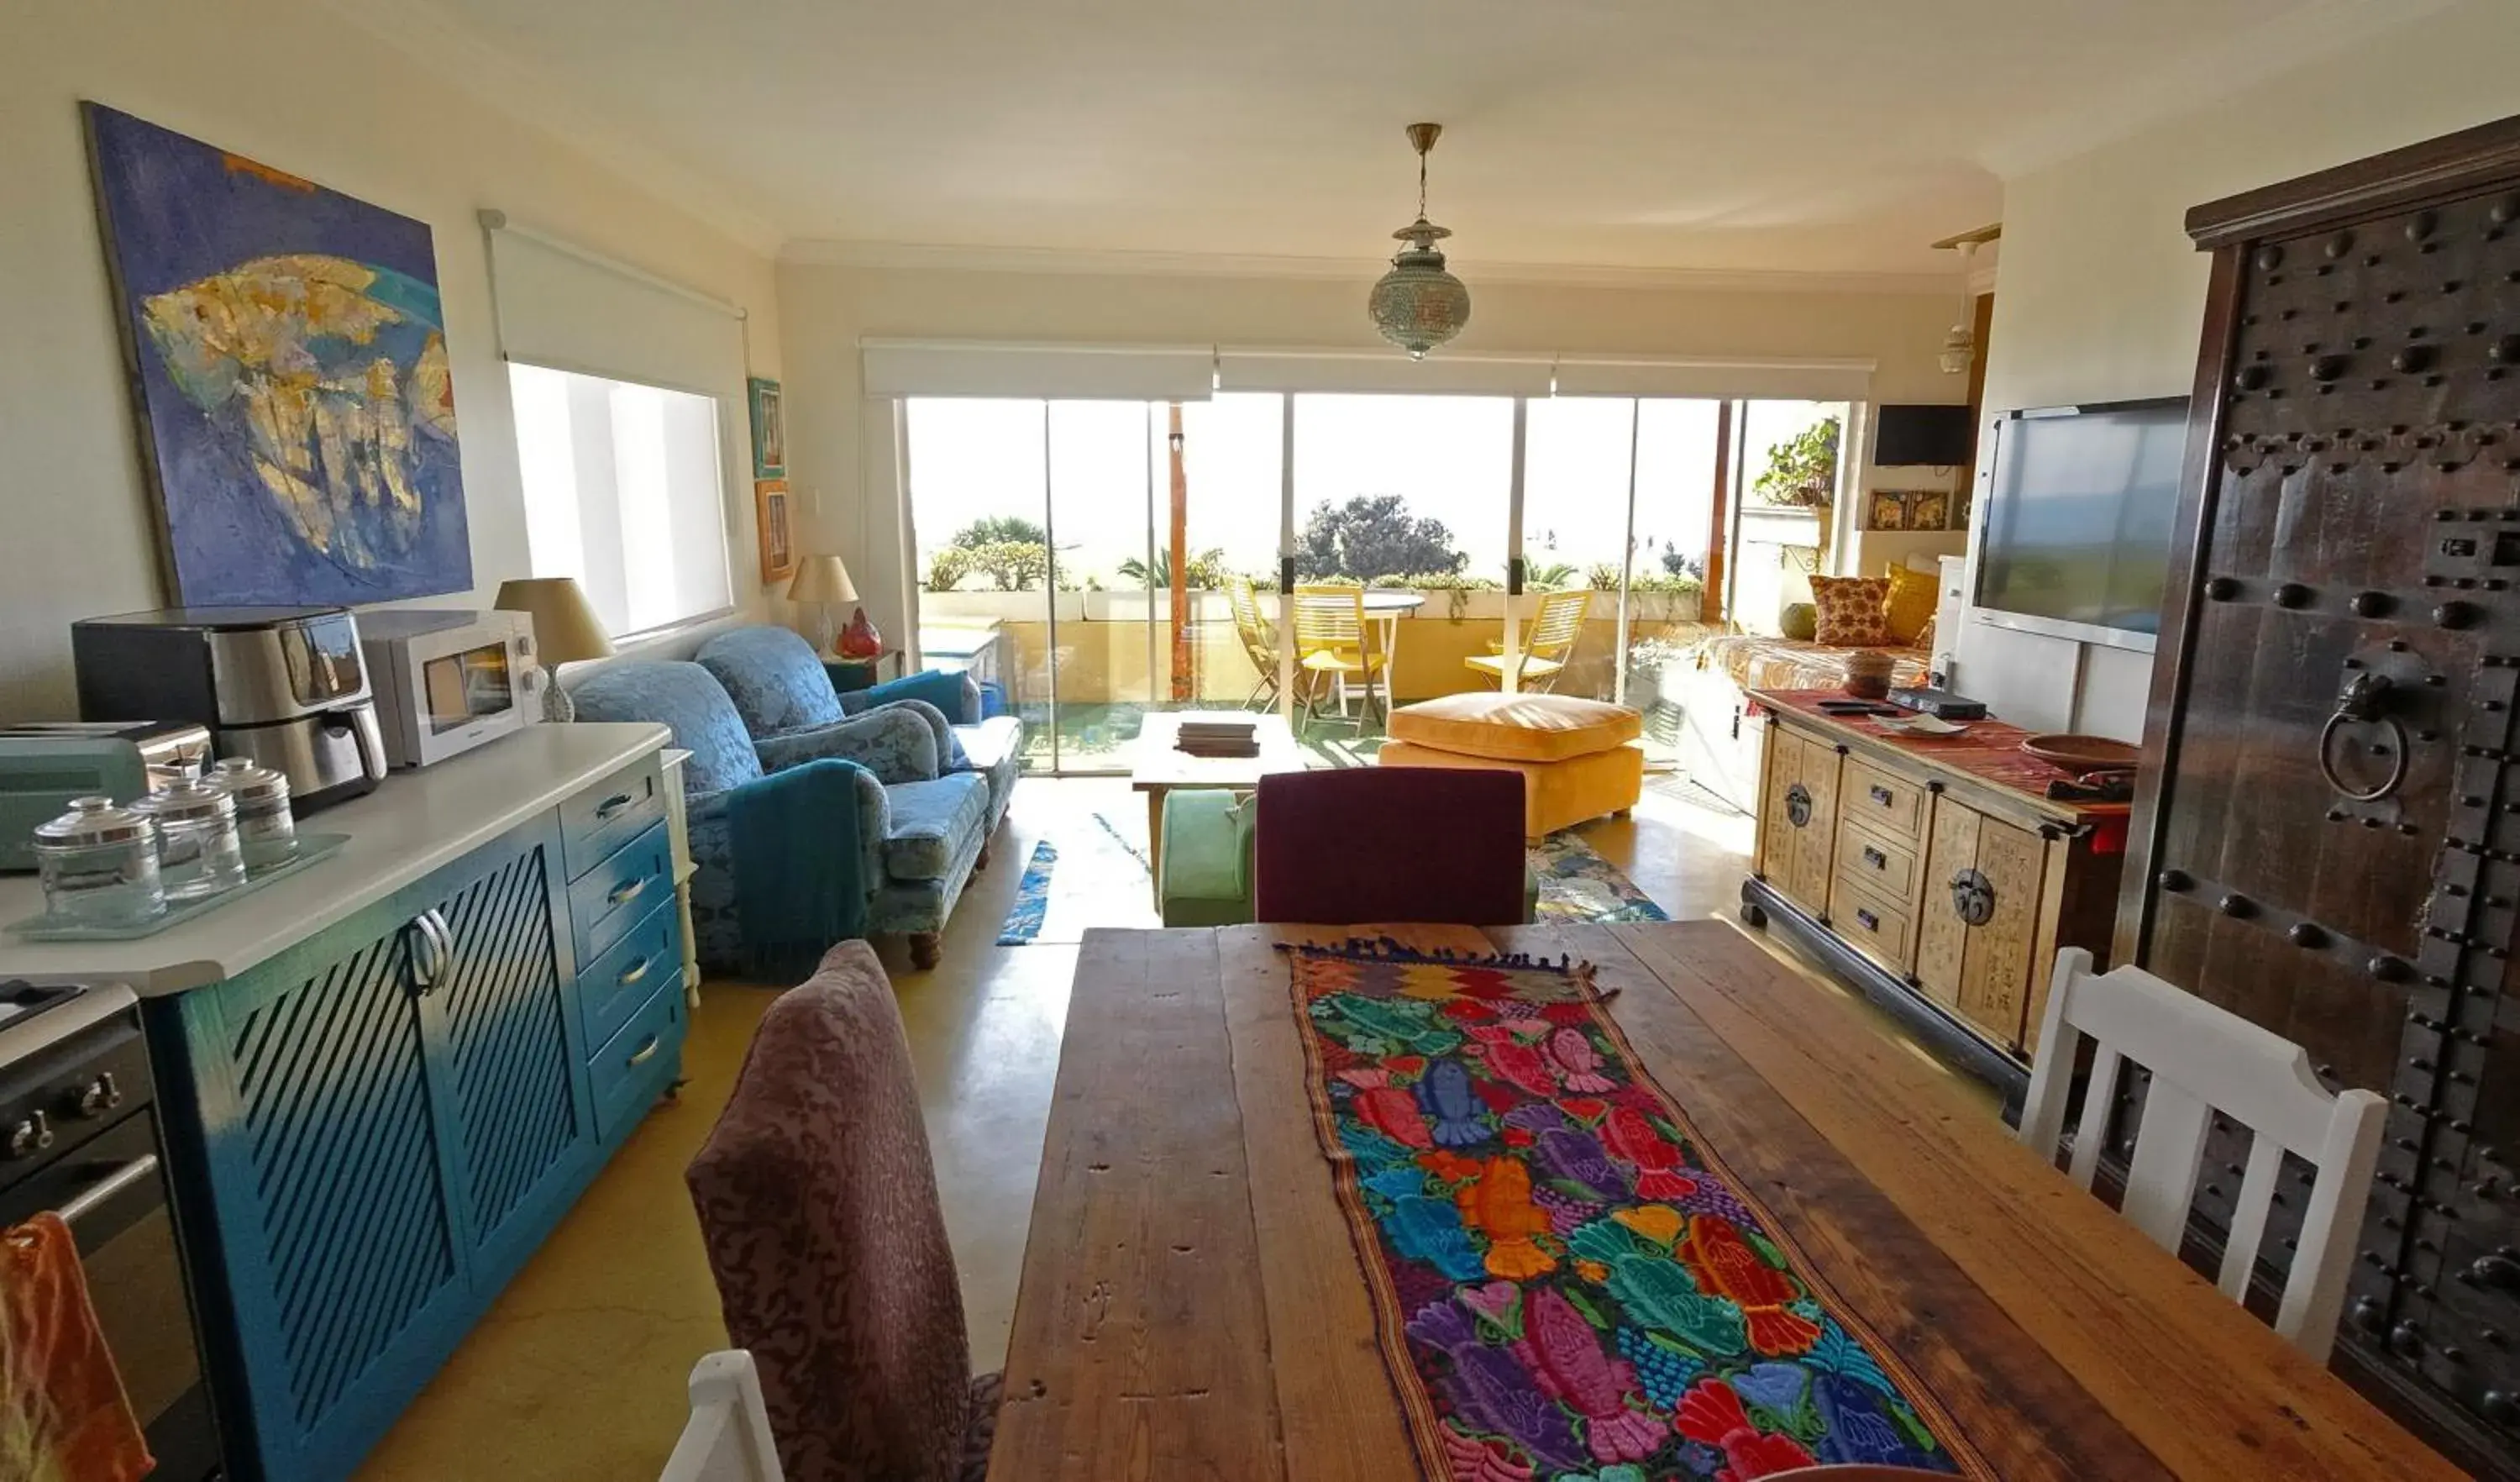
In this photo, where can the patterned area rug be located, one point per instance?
(1569, 1286)
(1032, 898)
(1577, 884)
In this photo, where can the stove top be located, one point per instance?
(21, 1000)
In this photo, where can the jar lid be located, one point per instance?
(189, 801)
(95, 821)
(250, 782)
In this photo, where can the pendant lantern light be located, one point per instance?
(1418, 305)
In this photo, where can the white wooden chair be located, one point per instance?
(728, 1436)
(2205, 1060)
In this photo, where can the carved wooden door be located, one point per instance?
(2327, 839)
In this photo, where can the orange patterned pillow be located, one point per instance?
(1853, 611)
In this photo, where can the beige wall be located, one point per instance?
(843, 445)
(291, 84)
(2101, 297)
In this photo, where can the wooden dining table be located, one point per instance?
(1193, 1306)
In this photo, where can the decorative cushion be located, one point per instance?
(1909, 604)
(816, 1201)
(1852, 610)
(1537, 727)
(1798, 621)
(931, 820)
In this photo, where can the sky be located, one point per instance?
(1450, 457)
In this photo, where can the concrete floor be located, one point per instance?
(578, 1371)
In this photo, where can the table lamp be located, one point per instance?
(824, 581)
(566, 631)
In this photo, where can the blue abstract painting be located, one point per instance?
(289, 358)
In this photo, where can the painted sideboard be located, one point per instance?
(387, 1078)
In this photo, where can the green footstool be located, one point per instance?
(1206, 878)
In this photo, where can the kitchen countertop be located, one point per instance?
(413, 822)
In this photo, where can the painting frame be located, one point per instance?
(1888, 512)
(1929, 510)
(290, 381)
(769, 408)
(775, 526)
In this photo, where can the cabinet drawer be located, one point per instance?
(1879, 800)
(1877, 863)
(597, 820)
(608, 899)
(1872, 926)
(615, 986)
(641, 1059)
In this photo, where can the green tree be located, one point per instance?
(1375, 535)
(1002, 529)
(1549, 577)
(1206, 569)
(1802, 471)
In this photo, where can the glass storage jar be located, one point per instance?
(266, 833)
(198, 854)
(98, 866)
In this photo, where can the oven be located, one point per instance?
(79, 1135)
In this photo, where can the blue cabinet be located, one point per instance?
(372, 1131)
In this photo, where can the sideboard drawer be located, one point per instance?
(639, 1061)
(1882, 800)
(1873, 927)
(612, 987)
(598, 819)
(608, 899)
(1877, 863)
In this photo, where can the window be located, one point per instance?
(623, 491)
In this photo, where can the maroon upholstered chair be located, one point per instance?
(1390, 845)
(817, 1199)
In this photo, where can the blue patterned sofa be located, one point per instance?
(811, 836)
(780, 685)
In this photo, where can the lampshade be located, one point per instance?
(822, 578)
(566, 627)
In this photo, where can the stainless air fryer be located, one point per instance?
(283, 685)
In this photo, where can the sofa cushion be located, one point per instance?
(931, 820)
(773, 677)
(687, 700)
(1533, 727)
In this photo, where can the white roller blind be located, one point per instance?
(1755, 379)
(1372, 371)
(561, 308)
(895, 368)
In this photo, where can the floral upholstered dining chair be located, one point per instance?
(817, 1199)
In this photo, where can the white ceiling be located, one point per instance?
(1799, 136)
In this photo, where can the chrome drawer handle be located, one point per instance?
(629, 892)
(1881, 795)
(646, 1051)
(1875, 858)
(635, 974)
(1867, 920)
(604, 810)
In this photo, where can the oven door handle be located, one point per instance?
(88, 1199)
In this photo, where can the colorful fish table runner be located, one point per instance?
(1568, 1284)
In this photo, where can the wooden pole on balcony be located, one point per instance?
(1185, 682)
(1710, 597)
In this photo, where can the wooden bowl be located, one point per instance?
(2080, 754)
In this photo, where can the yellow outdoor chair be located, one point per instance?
(1333, 643)
(1547, 644)
(1259, 639)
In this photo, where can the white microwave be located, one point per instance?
(447, 681)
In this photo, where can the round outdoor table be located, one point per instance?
(1385, 609)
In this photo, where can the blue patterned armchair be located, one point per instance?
(780, 685)
(808, 838)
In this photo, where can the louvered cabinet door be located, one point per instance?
(312, 1185)
(508, 1070)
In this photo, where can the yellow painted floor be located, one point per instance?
(578, 1371)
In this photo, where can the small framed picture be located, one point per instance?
(769, 430)
(777, 528)
(1889, 510)
(1929, 510)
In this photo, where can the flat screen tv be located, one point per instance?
(2077, 535)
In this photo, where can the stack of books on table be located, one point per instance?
(1219, 738)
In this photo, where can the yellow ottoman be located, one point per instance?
(1579, 758)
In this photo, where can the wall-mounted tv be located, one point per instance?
(2077, 533)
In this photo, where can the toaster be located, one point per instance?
(44, 764)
